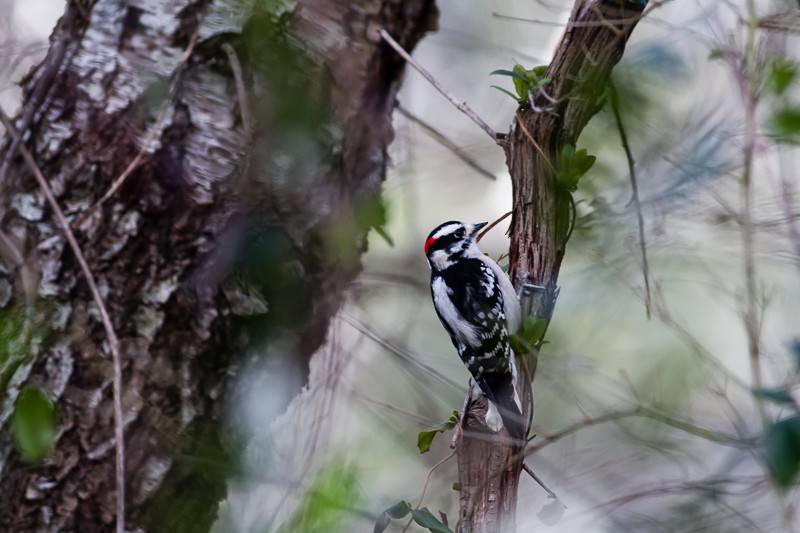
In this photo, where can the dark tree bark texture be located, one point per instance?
(489, 470)
(226, 244)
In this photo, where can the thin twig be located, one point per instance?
(646, 412)
(113, 341)
(492, 225)
(404, 354)
(748, 84)
(538, 480)
(439, 137)
(151, 136)
(635, 192)
(461, 106)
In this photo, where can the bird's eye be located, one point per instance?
(460, 233)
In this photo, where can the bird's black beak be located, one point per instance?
(476, 228)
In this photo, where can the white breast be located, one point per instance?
(463, 331)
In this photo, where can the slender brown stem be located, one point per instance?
(634, 193)
(492, 225)
(538, 480)
(749, 85)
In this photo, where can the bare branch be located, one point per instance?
(461, 106)
(492, 225)
(538, 480)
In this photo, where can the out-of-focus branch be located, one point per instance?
(645, 412)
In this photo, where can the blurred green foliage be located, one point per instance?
(327, 504)
(784, 121)
(33, 424)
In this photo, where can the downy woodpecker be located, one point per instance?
(479, 309)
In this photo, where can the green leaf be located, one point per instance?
(501, 72)
(780, 396)
(426, 519)
(781, 76)
(505, 91)
(327, 503)
(522, 82)
(540, 71)
(566, 156)
(582, 161)
(33, 424)
(425, 438)
(456, 486)
(396, 511)
(786, 122)
(782, 451)
(533, 329)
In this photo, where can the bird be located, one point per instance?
(479, 309)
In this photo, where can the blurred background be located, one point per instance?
(642, 424)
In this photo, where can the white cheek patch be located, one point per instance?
(441, 259)
(462, 330)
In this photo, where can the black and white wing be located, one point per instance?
(476, 321)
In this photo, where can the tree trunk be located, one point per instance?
(235, 236)
(489, 468)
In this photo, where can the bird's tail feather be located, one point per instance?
(499, 389)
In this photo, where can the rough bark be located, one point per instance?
(218, 250)
(489, 469)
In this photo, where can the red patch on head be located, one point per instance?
(429, 243)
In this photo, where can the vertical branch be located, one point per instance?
(634, 193)
(490, 466)
(749, 84)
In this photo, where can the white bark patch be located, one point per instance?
(148, 320)
(27, 206)
(150, 477)
(213, 149)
